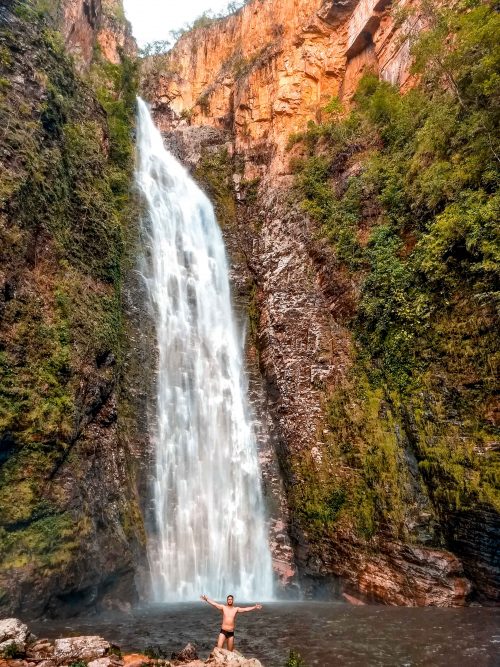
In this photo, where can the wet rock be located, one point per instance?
(72, 649)
(473, 536)
(187, 654)
(220, 656)
(399, 574)
(353, 600)
(13, 631)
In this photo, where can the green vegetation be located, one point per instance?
(361, 481)
(115, 650)
(295, 660)
(208, 18)
(48, 543)
(113, 9)
(66, 227)
(11, 652)
(406, 189)
(239, 66)
(159, 47)
(215, 171)
(156, 652)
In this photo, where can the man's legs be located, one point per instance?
(221, 640)
(230, 643)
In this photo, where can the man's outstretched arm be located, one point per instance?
(211, 602)
(243, 609)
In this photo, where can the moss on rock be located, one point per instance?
(406, 189)
(67, 221)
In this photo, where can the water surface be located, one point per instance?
(326, 634)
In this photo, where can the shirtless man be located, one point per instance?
(229, 612)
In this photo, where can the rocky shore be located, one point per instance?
(20, 648)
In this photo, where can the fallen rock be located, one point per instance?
(72, 649)
(13, 631)
(221, 656)
(107, 661)
(352, 600)
(42, 649)
(187, 654)
(136, 660)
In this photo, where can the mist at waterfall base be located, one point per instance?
(209, 533)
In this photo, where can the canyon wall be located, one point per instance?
(389, 494)
(267, 70)
(72, 429)
(90, 25)
(231, 97)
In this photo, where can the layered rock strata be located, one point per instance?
(268, 69)
(87, 25)
(239, 88)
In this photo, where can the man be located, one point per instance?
(229, 612)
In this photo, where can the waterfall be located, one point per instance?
(210, 531)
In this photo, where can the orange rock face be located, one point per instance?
(79, 25)
(135, 660)
(268, 69)
(86, 24)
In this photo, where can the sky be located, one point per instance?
(154, 19)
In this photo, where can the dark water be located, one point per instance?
(326, 634)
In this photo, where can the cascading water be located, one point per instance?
(210, 535)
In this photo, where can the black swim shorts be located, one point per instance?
(227, 633)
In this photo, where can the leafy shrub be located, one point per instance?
(295, 660)
(12, 651)
(415, 222)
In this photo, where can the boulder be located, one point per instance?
(187, 654)
(353, 600)
(136, 660)
(220, 656)
(13, 631)
(107, 661)
(73, 649)
(42, 649)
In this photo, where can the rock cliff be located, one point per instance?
(71, 530)
(265, 71)
(233, 97)
(87, 25)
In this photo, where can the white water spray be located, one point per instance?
(210, 534)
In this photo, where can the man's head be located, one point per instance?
(229, 600)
